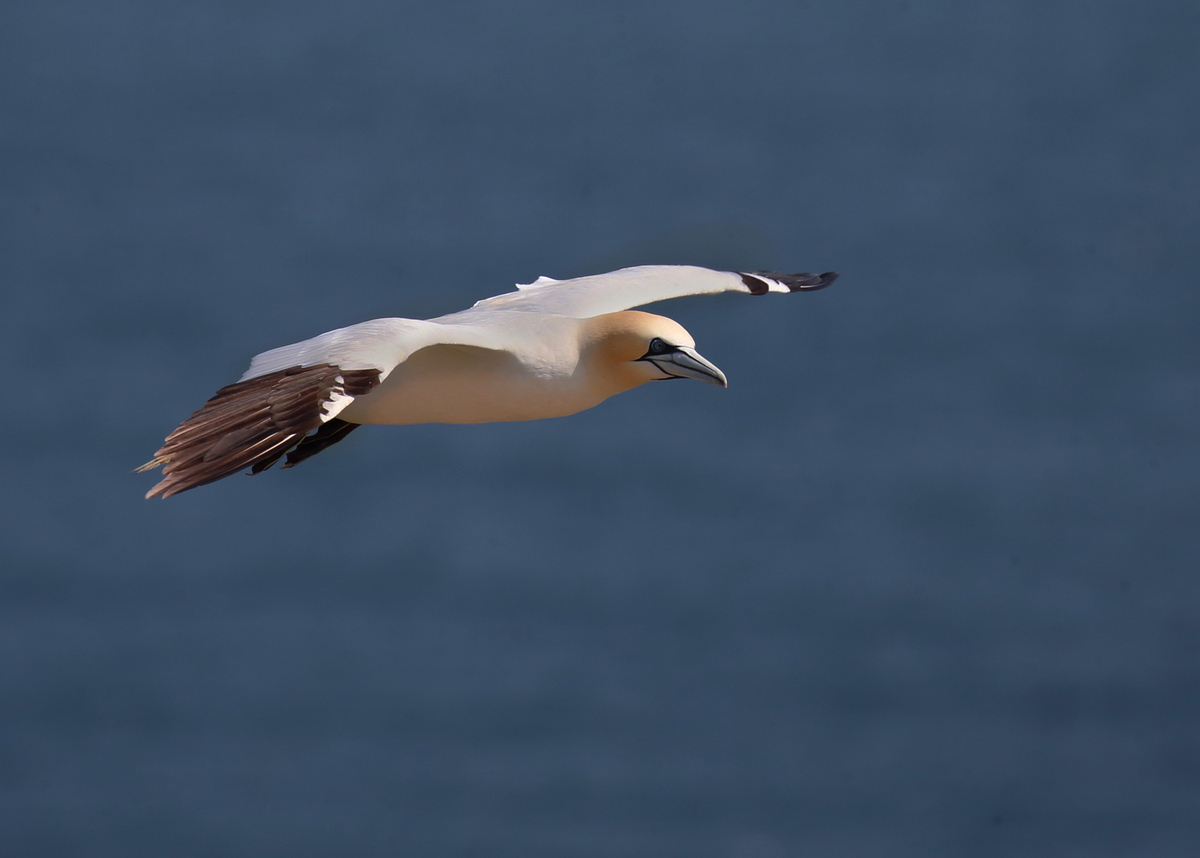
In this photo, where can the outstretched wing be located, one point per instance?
(584, 297)
(286, 394)
(253, 423)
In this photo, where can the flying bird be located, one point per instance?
(552, 348)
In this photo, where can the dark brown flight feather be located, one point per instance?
(253, 423)
(326, 436)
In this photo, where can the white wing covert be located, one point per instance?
(585, 297)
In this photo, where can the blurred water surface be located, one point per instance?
(921, 582)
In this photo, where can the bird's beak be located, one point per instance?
(685, 362)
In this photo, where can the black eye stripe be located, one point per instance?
(658, 348)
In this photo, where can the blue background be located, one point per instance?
(921, 582)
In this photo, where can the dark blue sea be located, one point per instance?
(924, 581)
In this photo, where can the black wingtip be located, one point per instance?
(803, 282)
(826, 279)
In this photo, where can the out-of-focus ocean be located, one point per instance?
(922, 582)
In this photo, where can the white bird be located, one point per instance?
(552, 348)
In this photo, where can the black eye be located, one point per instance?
(657, 346)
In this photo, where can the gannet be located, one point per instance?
(549, 349)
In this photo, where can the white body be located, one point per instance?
(535, 371)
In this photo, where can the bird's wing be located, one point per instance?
(584, 297)
(287, 393)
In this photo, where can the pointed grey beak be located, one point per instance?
(685, 362)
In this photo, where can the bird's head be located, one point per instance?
(632, 347)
